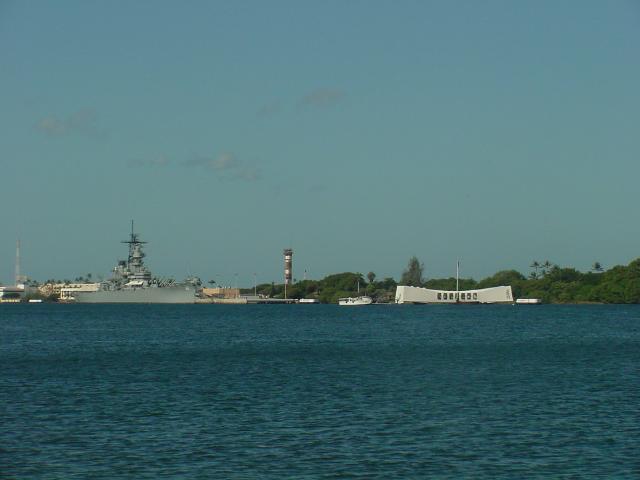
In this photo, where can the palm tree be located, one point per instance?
(535, 265)
(597, 267)
(371, 277)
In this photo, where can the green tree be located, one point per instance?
(512, 278)
(450, 283)
(535, 265)
(597, 267)
(504, 277)
(371, 277)
(564, 275)
(412, 276)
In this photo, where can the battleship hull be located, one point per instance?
(172, 294)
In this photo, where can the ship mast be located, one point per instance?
(135, 265)
(133, 239)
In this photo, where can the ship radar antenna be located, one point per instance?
(133, 239)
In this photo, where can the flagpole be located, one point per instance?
(457, 279)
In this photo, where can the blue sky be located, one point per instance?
(358, 132)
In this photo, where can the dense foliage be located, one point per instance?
(621, 284)
(551, 283)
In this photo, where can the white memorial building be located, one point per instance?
(425, 295)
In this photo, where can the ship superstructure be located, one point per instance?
(133, 271)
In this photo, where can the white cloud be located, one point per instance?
(160, 162)
(322, 97)
(248, 174)
(269, 109)
(226, 166)
(52, 126)
(225, 161)
(84, 122)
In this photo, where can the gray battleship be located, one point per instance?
(132, 282)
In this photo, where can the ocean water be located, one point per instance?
(305, 392)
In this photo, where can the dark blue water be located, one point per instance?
(208, 391)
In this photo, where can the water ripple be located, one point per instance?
(319, 392)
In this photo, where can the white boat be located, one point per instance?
(528, 301)
(359, 300)
(311, 301)
(364, 300)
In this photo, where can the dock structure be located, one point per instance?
(247, 300)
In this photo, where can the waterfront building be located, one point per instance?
(56, 289)
(12, 294)
(68, 292)
(221, 292)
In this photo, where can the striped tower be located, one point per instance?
(288, 266)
